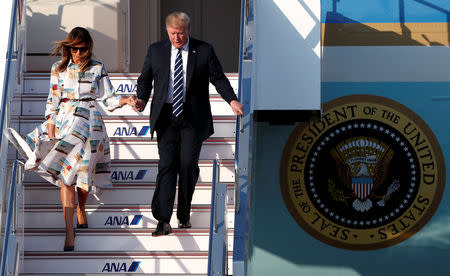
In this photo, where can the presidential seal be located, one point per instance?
(368, 175)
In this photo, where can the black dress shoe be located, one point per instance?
(163, 228)
(186, 224)
(84, 225)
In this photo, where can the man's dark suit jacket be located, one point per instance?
(203, 67)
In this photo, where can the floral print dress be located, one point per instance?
(80, 152)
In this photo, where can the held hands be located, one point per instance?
(135, 103)
(237, 107)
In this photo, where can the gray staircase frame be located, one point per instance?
(13, 234)
(12, 241)
(218, 239)
(242, 144)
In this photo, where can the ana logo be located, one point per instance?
(120, 220)
(121, 267)
(128, 175)
(131, 131)
(369, 175)
(126, 88)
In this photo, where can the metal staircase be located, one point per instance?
(119, 237)
(120, 221)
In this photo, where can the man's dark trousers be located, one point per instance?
(179, 150)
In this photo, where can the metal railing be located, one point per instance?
(11, 243)
(11, 179)
(218, 238)
(8, 91)
(7, 79)
(242, 152)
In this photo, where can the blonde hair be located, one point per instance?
(178, 19)
(76, 36)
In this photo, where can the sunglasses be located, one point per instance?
(81, 49)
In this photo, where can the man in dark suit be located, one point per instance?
(180, 69)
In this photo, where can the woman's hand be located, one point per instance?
(128, 100)
(124, 100)
(132, 100)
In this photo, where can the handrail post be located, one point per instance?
(218, 239)
(212, 218)
(216, 181)
(10, 241)
(237, 190)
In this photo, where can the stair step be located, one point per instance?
(145, 171)
(107, 217)
(113, 269)
(123, 83)
(125, 195)
(135, 148)
(119, 127)
(144, 148)
(89, 240)
(89, 263)
(34, 105)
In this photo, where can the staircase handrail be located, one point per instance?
(9, 57)
(217, 251)
(10, 252)
(241, 172)
(239, 121)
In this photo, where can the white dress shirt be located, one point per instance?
(173, 56)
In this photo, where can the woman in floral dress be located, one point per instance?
(71, 148)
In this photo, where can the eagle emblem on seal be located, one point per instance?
(362, 165)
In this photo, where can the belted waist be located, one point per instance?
(77, 100)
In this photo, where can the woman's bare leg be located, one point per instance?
(81, 211)
(68, 205)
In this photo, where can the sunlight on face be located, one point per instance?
(178, 36)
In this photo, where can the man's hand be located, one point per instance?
(237, 107)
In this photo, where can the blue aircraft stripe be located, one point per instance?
(144, 131)
(134, 266)
(140, 175)
(385, 11)
(136, 220)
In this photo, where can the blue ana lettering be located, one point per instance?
(125, 131)
(122, 175)
(117, 220)
(129, 131)
(120, 267)
(126, 88)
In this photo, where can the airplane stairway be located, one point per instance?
(119, 239)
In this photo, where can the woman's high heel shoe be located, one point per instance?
(71, 247)
(83, 225)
